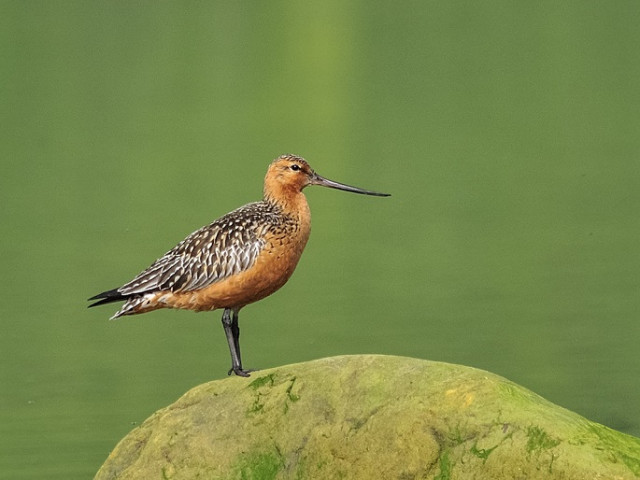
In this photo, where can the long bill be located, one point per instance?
(325, 182)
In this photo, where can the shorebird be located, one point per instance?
(240, 258)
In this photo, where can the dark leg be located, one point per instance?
(232, 332)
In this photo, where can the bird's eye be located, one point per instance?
(295, 167)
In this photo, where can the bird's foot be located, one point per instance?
(240, 371)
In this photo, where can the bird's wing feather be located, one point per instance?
(217, 251)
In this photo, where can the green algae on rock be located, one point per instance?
(366, 417)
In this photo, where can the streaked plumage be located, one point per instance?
(238, 259)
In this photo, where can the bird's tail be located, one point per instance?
(107, 297)
(138, 303)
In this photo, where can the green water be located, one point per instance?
(508, 134)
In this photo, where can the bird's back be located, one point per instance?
(241, 257)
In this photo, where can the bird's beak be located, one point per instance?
(325, 182)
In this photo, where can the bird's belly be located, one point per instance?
(271, 270)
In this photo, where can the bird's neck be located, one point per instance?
(288, 198)
(290, 202)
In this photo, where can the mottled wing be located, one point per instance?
(217, 251)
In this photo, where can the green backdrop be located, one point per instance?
(507, 132)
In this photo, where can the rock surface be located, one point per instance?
(370, 417)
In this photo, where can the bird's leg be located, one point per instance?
(232, 332)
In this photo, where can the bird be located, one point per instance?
(240, 258)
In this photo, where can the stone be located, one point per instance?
(370, 417)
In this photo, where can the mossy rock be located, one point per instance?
(370, 417)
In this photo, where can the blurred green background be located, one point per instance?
(507, 132)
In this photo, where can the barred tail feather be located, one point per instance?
(138, 304)
(134, 303)
(107, 297)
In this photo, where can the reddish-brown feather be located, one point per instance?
(240, 258)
